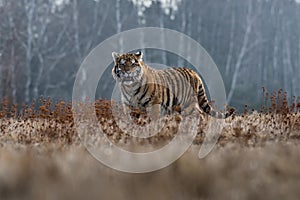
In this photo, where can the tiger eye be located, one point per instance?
(122, 61)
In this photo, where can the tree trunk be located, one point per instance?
(242, 53)
(231, 43)
(29, 15)
(119, 24)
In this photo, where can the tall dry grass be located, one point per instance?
(256, 157)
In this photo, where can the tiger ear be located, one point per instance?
(139, 55)
(115, 55)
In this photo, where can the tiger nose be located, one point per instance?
(126, 71)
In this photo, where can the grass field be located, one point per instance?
(257, 157)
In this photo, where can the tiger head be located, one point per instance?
(128, 67)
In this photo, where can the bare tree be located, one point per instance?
(8, 64)
(119, 24)
(246, 46)
(30, 7)
(182, 29)
(162, 36)
(231, 41)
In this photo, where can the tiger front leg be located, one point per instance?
(127, 111)
(154, 112)
(134, 115)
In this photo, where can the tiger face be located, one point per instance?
(128, 67)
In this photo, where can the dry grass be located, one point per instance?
(256, 157)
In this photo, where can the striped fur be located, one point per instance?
(165, 91)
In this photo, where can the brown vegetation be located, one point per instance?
(257, 156)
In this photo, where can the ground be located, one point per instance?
(256, 157)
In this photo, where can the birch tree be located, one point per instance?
(231, 41)
(245, 47)
(30, 7)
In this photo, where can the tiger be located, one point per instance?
(163, 91)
